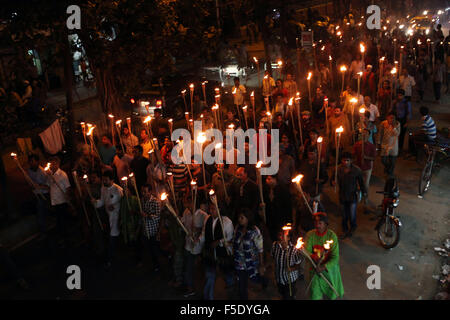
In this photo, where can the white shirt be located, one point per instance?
(39, 177)
(406, 83)
(192, 223)
(356, 67)
(239, 95)
(227, 228)
(111, 196)
(58, 190)
(374, 113)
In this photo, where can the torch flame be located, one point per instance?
(353, 100)
(360, 73)
(300, 243)
(244, 108)
(183, 92)
(280, 63)
(235, 90)
(201, 138)
(191, 86)
(394, 71)
(291, 101)
(131, 175)
(252, 94)
(13, 155)
(124, 178)
(343, 68)
(319, 140)
(231, 126)
(330, 58)
(362, 48)
(111, 116)
(90, 131)
(170, 120)
(85, 176)
(298, 178)
(163, 196)
(215, 107)
(256, 60)
(211, 192)
(340, 129)
(259, 164)
(47, 167)
(118, 122)
(309, 76)
(287, 227)
(147, 119)
(362, 110)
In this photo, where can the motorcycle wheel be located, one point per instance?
(388, 235)
(425, 178)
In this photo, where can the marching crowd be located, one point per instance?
(239, 230)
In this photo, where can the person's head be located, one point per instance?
(423, 111)
(212, 209)
(313, 135)
(230, 115)
(278, 117)
(157, 113)
(126, 131)
(318, 91)
(391, 118)
(367, 101)
(246, 218)
(349, 90)
(337, 111)
(146, 191)
(405, 72)
(358, 56)
(346, 159)
(321, 221)
(288, 77)
(144, 135)
(108, 178)
(33, 160)
(54, 163)
(306, 115)
(279, 83)
(284, 139)
(400, 94)
(242, 174)
(137, 151)
(236, 81)
(386, 84)
(312, 154)
(271, 181)
(106, 139)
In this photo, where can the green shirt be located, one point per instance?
(314, 246)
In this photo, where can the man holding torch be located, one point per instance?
(217, 243)
(287, 261)
(110, 197)
(323, 247)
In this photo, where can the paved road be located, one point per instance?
(426, 224)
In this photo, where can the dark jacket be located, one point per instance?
(348, 184)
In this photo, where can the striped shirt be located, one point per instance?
(429, 127)
(152, 207)
(180, 175)
(279, 255)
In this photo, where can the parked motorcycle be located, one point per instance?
(388, 227)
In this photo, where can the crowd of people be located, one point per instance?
(119, 182)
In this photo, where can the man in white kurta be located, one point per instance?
(111, 195)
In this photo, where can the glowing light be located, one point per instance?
(132, 100)
(147, 119)
(256, 60)
(343, 68)
(300, 243)
(319, 140)
(297, 179)
(211, 192)
(340, 129)
(259, 164)
(309, 76)
(362, 110)
(201, 138)
(362, 48)
(163, 196)
(353, 100)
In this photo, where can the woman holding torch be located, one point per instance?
(248, 252)
(323, 246)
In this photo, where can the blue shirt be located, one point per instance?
(403, 109)
(429, 127)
